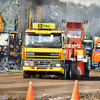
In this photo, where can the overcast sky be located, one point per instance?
(86, 2)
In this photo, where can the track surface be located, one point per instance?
(14, 87)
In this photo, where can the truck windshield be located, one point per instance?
(3, 39)
(88, 44)
(73, 34)
(43, 40)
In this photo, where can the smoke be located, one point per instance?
(38, 3)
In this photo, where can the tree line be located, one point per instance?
(56, 11)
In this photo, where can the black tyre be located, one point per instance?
(40, 76)
(92, 67)
(86, 71)
(99, 65)
(69, 74)
(26, 75)
(65, 72)
(74, 69)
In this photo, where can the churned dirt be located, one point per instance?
(14, 87)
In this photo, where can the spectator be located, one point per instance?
(6, 55)
(1, 54)
(75, 34)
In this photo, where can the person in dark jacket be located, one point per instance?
(6, 55)
(1, 54)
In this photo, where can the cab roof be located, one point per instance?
(43, 31)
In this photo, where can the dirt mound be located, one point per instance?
(90, 96)
(10, 98)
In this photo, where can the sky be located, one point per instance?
(85, 2)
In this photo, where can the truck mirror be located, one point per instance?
(63, 46)
(67, 41)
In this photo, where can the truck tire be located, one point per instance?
(26, 75)
(74, 69)
(92, 67)
(86, 71)
(69, 74)
(65, 71)
(99, 65)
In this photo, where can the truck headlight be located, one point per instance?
(26, 63)
(58, 65)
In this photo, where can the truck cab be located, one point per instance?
(74, 46)
(44, 51)
(88, 45)
(96, 54)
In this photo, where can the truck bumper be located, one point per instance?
(96, 64)
(44, 69)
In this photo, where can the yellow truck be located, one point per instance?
(44, 52)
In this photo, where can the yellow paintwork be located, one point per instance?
(78, 51)
(44, 31)
(45, 50)
(13, 32)
(54, 69)
(44, 25)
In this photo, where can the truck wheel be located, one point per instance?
(74, 69)
(26, 75)
(65, 72)
(92, 67)
(69, 74)
(40, 76)
(86, 71)
(99, 65)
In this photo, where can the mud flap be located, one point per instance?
(80, 69)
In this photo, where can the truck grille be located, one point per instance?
(42, 57)
(37, 55)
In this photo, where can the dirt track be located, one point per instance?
(14, 87)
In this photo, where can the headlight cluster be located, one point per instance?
(58, 65)
(26, 63)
